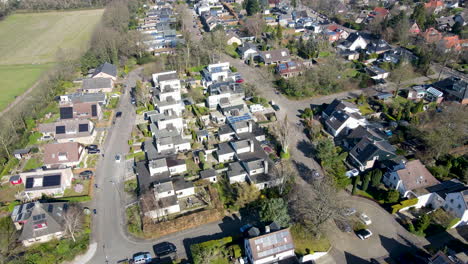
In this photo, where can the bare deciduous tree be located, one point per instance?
(254, 25)
(284, 174)
(283, 133)
(314, 204)
(73, 219)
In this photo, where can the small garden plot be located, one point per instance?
(78, 188)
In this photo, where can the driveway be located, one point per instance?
(389, 237)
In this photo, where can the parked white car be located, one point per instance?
(365, 219)
(364, 234)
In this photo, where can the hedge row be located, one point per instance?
(403, 204)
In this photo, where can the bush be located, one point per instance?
(285, 155)
(453, 222)
(392, 196)
(403, 204)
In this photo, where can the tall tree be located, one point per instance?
(73, 219)
(252, 7)
(276, 210)
(376, 177)
(365, 182)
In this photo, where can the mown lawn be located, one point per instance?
(34, 38)
(16, 79)
(32, 163)
(31, 43)
(305, 243)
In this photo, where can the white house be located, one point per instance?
(182, 187)
(218, 72)
(236, 173)
(340, 121)
(270, 248)
(47, 182)
(457, 204)
(225, 152)
(256, 108)
(164, 80)
(39, 222)
(377, 73)
(413, 176)
(354, 42)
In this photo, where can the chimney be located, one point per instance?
(265, 164)
(250, 126)
(251, 144)
(267, 229)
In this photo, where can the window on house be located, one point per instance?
(451, 200)
(459, 206)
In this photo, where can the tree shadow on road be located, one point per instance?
(306, 148)
(445, 239)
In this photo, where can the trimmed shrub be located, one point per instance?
(404, 204)
(453, 222)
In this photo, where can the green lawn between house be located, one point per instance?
(32, 163)
(305, 243)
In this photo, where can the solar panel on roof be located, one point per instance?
(282, 67)
(93, 110)
(66, 112)
(82, 127)
(29, 183)
(51, 180)
(60, 130)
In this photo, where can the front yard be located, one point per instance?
(305, 243)
(78, 188)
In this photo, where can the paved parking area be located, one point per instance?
(389, 238)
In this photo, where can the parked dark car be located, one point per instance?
(86, 174)
(92, 147)
(164, 248)
(343, 226)
(118, 114)
(276, 107)
(94, 151)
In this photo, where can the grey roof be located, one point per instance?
(275, 55)
(150, 149)
(145, 180)
(163, 187)
(168, 201)
(96, 83)
(225, 148)
(208, 173)
(168, 77)
(446, 187)
(337, 119)
(159, 163)
(49, 215)
(367, 149)
(165, 141)
(202, 133)
(87, 97)
(106, 68)
(253, 164)
(225, 129)
(261, 178)
(181, 184)
(454, 87)
(21, 151)
(235, 169)
(338, 105)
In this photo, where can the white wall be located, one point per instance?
(154, 171)
(183, 147)
(225, 157)
(178, 169)
(42, 239)
(186, 192)
(239, 178)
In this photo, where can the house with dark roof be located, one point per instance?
(356, 41)
(290, 69)
(248, 51)
(45, 182)
(454, 89)
(368, 151)
(272, 247)
(21, 153)
(100, 98)
(210, 175)
(70, 130)
(274, 56)
(377, 73)
(39, 222)
(341, 122)
(67, 154)
(97, 85)
(339, 105)
(106, 70)
(69, 110)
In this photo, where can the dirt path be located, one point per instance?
(21, 97)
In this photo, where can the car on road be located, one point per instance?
(344, 226)
(364, 234)
(365, 219)
(94, 151)
(117, 158)
(276, 107)
(118, 114)
(240, 80)
(86, 174)
(94, 211)
(348, 211)
(352, 173)
(142, 258)
(164, 248)
(92, 147)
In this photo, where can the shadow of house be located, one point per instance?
(350, 258)
(306, 147)
(446, 239)
(403, 251)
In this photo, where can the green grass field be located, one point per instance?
(15, 79)
(29, 44)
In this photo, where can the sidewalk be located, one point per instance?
(81, 259)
